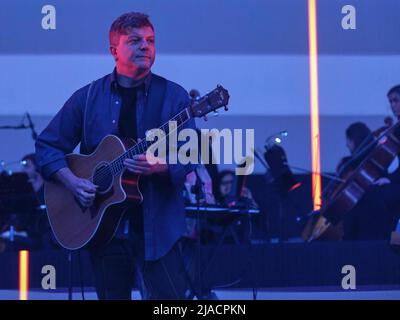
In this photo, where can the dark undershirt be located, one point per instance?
(128, 129)
(127, 116)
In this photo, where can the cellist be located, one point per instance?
(377, 213)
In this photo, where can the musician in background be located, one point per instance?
(394, 101)
(393, 96)
(29, 166)
(148, 242)
(31, 228)
(38, 225)
(35, 222)
(215, 224)
(225, 185)
(358, 135)
(375, 215)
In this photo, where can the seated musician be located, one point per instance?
(30, 226)
(225, 184)
(375, 215)
(394, 100)
(358, 136)
(226, 197)
(38, 225)
(30, 168)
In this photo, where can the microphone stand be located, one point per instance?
(30, 126)
(21, 126)
(197, 189)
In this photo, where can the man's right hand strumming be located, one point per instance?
(84, 190)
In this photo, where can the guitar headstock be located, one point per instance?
(212, 101)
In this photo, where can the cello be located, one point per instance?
(376, 156)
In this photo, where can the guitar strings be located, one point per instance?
(116, 165)
(117, 162)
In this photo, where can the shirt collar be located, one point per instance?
(147, 80)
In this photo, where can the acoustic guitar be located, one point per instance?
(75, 226)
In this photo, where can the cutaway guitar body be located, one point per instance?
(75, 226)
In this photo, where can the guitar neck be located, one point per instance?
(142, 146)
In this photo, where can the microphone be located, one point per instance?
(31, 126)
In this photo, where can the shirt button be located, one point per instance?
(117, 102)
(113, 121)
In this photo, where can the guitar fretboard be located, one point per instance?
(117, 165)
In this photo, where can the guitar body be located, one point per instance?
(75, 226)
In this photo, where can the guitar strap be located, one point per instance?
(150, 117)
(84, 118)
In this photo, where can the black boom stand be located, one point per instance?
(198, 190)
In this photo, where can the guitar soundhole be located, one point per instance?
(103, 178)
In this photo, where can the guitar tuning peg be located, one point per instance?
(205, 118)
(226, 108)
(215, 113)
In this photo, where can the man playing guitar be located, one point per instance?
(127, 103)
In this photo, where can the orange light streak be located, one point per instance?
(314, 112)
(23, 274)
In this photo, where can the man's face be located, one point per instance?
(135, 51)
(394, 100)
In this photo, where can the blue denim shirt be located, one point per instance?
(90, 114)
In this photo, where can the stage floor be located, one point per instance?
(292, 268)
(317, 293)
